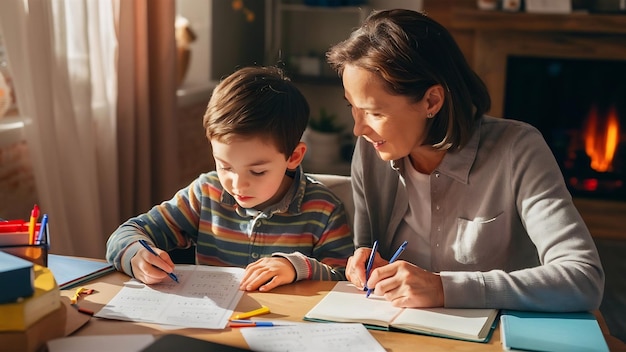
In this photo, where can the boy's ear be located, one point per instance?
(296, 156)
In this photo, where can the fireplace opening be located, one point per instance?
(579, 105)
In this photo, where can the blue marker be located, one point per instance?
(42, 228)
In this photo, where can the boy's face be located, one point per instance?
(253, 170)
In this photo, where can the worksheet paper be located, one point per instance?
(314, 337)
(205, 298)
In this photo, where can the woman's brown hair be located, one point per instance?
(412, 52)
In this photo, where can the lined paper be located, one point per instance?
(205, 298)
(347, 337)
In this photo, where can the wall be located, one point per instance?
(236, 41)
(225, 39)
(17, 183)
(194, 150)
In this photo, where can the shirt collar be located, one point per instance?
(455, 164)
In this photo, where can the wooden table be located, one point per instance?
(290, 302)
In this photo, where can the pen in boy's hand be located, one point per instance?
(147, 246)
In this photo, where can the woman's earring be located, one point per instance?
(429, 115)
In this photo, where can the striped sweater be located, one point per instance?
(308, 227)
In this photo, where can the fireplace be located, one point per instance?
(579, 105)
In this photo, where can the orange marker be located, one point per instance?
(34, 215)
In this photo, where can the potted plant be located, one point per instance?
(323, 139)
(325, 123)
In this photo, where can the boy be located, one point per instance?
(258, 210)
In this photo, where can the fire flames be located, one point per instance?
(601, 135)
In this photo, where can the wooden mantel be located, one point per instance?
(488, 38)
(473, 19)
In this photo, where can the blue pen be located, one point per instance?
(370, 262)
(393, 259)
(248, 323)
(398, 252)
(147, 246)
(42, 228)
(254, 323)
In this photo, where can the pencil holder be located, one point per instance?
(17, 244)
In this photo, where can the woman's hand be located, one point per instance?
(407, 285)
(355, 269)
(151, 269)
(267, 273)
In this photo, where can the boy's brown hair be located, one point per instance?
(257, 102)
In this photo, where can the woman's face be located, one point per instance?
(393, 124)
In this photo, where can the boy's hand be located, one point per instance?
(267, 273)
(151, 269)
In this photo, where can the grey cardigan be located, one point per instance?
(504, 230)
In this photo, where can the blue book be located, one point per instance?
(19, 273)
(554, 332)
(73, 271)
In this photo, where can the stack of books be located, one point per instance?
(29, 320)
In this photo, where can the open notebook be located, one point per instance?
(345, 303)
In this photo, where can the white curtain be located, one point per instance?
(62, 54)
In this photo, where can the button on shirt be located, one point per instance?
(415, 226)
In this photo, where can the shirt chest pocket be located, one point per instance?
(480, 240)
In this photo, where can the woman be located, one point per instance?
(480, 200)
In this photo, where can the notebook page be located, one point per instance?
(464, 323)
(346, 303)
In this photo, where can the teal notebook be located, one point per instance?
(16, 275)
(554, 332)
(73, 271)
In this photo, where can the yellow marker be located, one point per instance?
(253, 313)
(77, 293)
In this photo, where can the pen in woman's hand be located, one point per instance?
(393, 259)
(147, 246)
(370, 262)
(398, 252)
